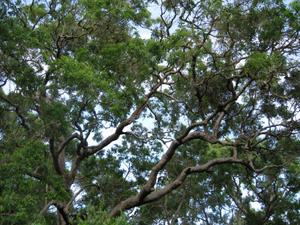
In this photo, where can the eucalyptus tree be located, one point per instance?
(173, 129)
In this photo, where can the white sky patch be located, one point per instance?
(163, 64)
(155, 10)
(9, 87)
(240, 64)
(144, 33)
(255, 205)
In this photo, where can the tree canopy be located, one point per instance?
(198, 124)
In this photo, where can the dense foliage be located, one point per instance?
(199, 124)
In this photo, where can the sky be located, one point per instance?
(155, 13)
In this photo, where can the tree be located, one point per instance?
(193, 125)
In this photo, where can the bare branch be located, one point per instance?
(67, 141)
(90, 150)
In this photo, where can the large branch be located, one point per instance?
(88, 151)
(183, 175)
(62, 211)
(156, 195)
(119, 130)
(146, 193)
(65, 142)
(149, 185)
